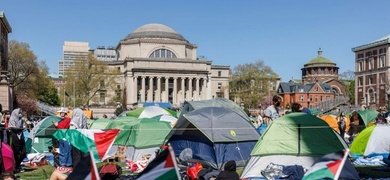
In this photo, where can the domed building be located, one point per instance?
(161, 67)
(319, 84)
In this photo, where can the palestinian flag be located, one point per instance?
(163, 167)
(328, 166)
(98, 141)
(86, 169)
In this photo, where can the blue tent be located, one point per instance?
(215, 135)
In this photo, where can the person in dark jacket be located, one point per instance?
(229, 172)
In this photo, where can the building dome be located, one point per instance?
(155, 31)
(319, 59)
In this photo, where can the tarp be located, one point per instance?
(216, 102)
(373, 140)
(88, 113)
(215, 135)
(159, 104)
(296, 139)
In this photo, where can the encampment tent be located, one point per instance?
(373, 140)
(141, 137)
(296, 139)
(99, 123)
(40, 137)
(189, 106)
(368, 116)
(215, 135)
(150, 111)
(332, 122)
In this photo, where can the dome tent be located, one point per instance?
(296, 139)
(215, 135)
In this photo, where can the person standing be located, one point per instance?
(272, 111)
(65, 148)
(16, 137)
(342, 123)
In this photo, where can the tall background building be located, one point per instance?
(72, 50)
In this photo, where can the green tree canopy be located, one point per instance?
(29, 78)
(250, 82)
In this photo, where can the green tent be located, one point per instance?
(120, 122)
(40, 137)
(367, 115)
(142, 137)
(373, 140)
(100, 123)
(296, 139)
(150, 111)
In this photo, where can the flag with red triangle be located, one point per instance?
(96, 140)
(86, 169)
(163, 167)
(328, 166)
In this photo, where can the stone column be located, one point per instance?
(190, 98)
(129, 83)
(135, 89)
(174, 94)
(166, 89)
(197, 89)
(143, 89)
(183, 90)
(150, 92)
(204, 89)
(158, 93)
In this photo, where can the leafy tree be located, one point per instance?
(87, 79)
(22, 65)
(29, 78)
(348, 78)
(250, 83)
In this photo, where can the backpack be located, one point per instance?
(110, 171)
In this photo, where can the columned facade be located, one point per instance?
(161, 67)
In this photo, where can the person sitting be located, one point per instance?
(229, 172)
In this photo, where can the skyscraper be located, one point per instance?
(72, 50)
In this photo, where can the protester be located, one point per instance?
(78, 121)
(16, 138)
(272, 111)
(229, 172)
(342, 123)
(259, 120)
(296, 107)
(65, 155)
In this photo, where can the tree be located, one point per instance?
(88, 78)
(29, 78)
(348, 78)
(22, 65)
(250, 83)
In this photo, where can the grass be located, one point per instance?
(40, 173)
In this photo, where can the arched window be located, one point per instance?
(162, 53)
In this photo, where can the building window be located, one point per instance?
(102, 97)
(382, 61)
(219, 86)
(301, 98)
(162, 53)
(370, 80)
(360, 81)
(219, 73)
(370, 63)
(360, 66)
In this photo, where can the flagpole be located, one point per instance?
(172, 153)
(74, 96)
(338, 172)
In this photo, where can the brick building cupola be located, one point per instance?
(319, 69)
